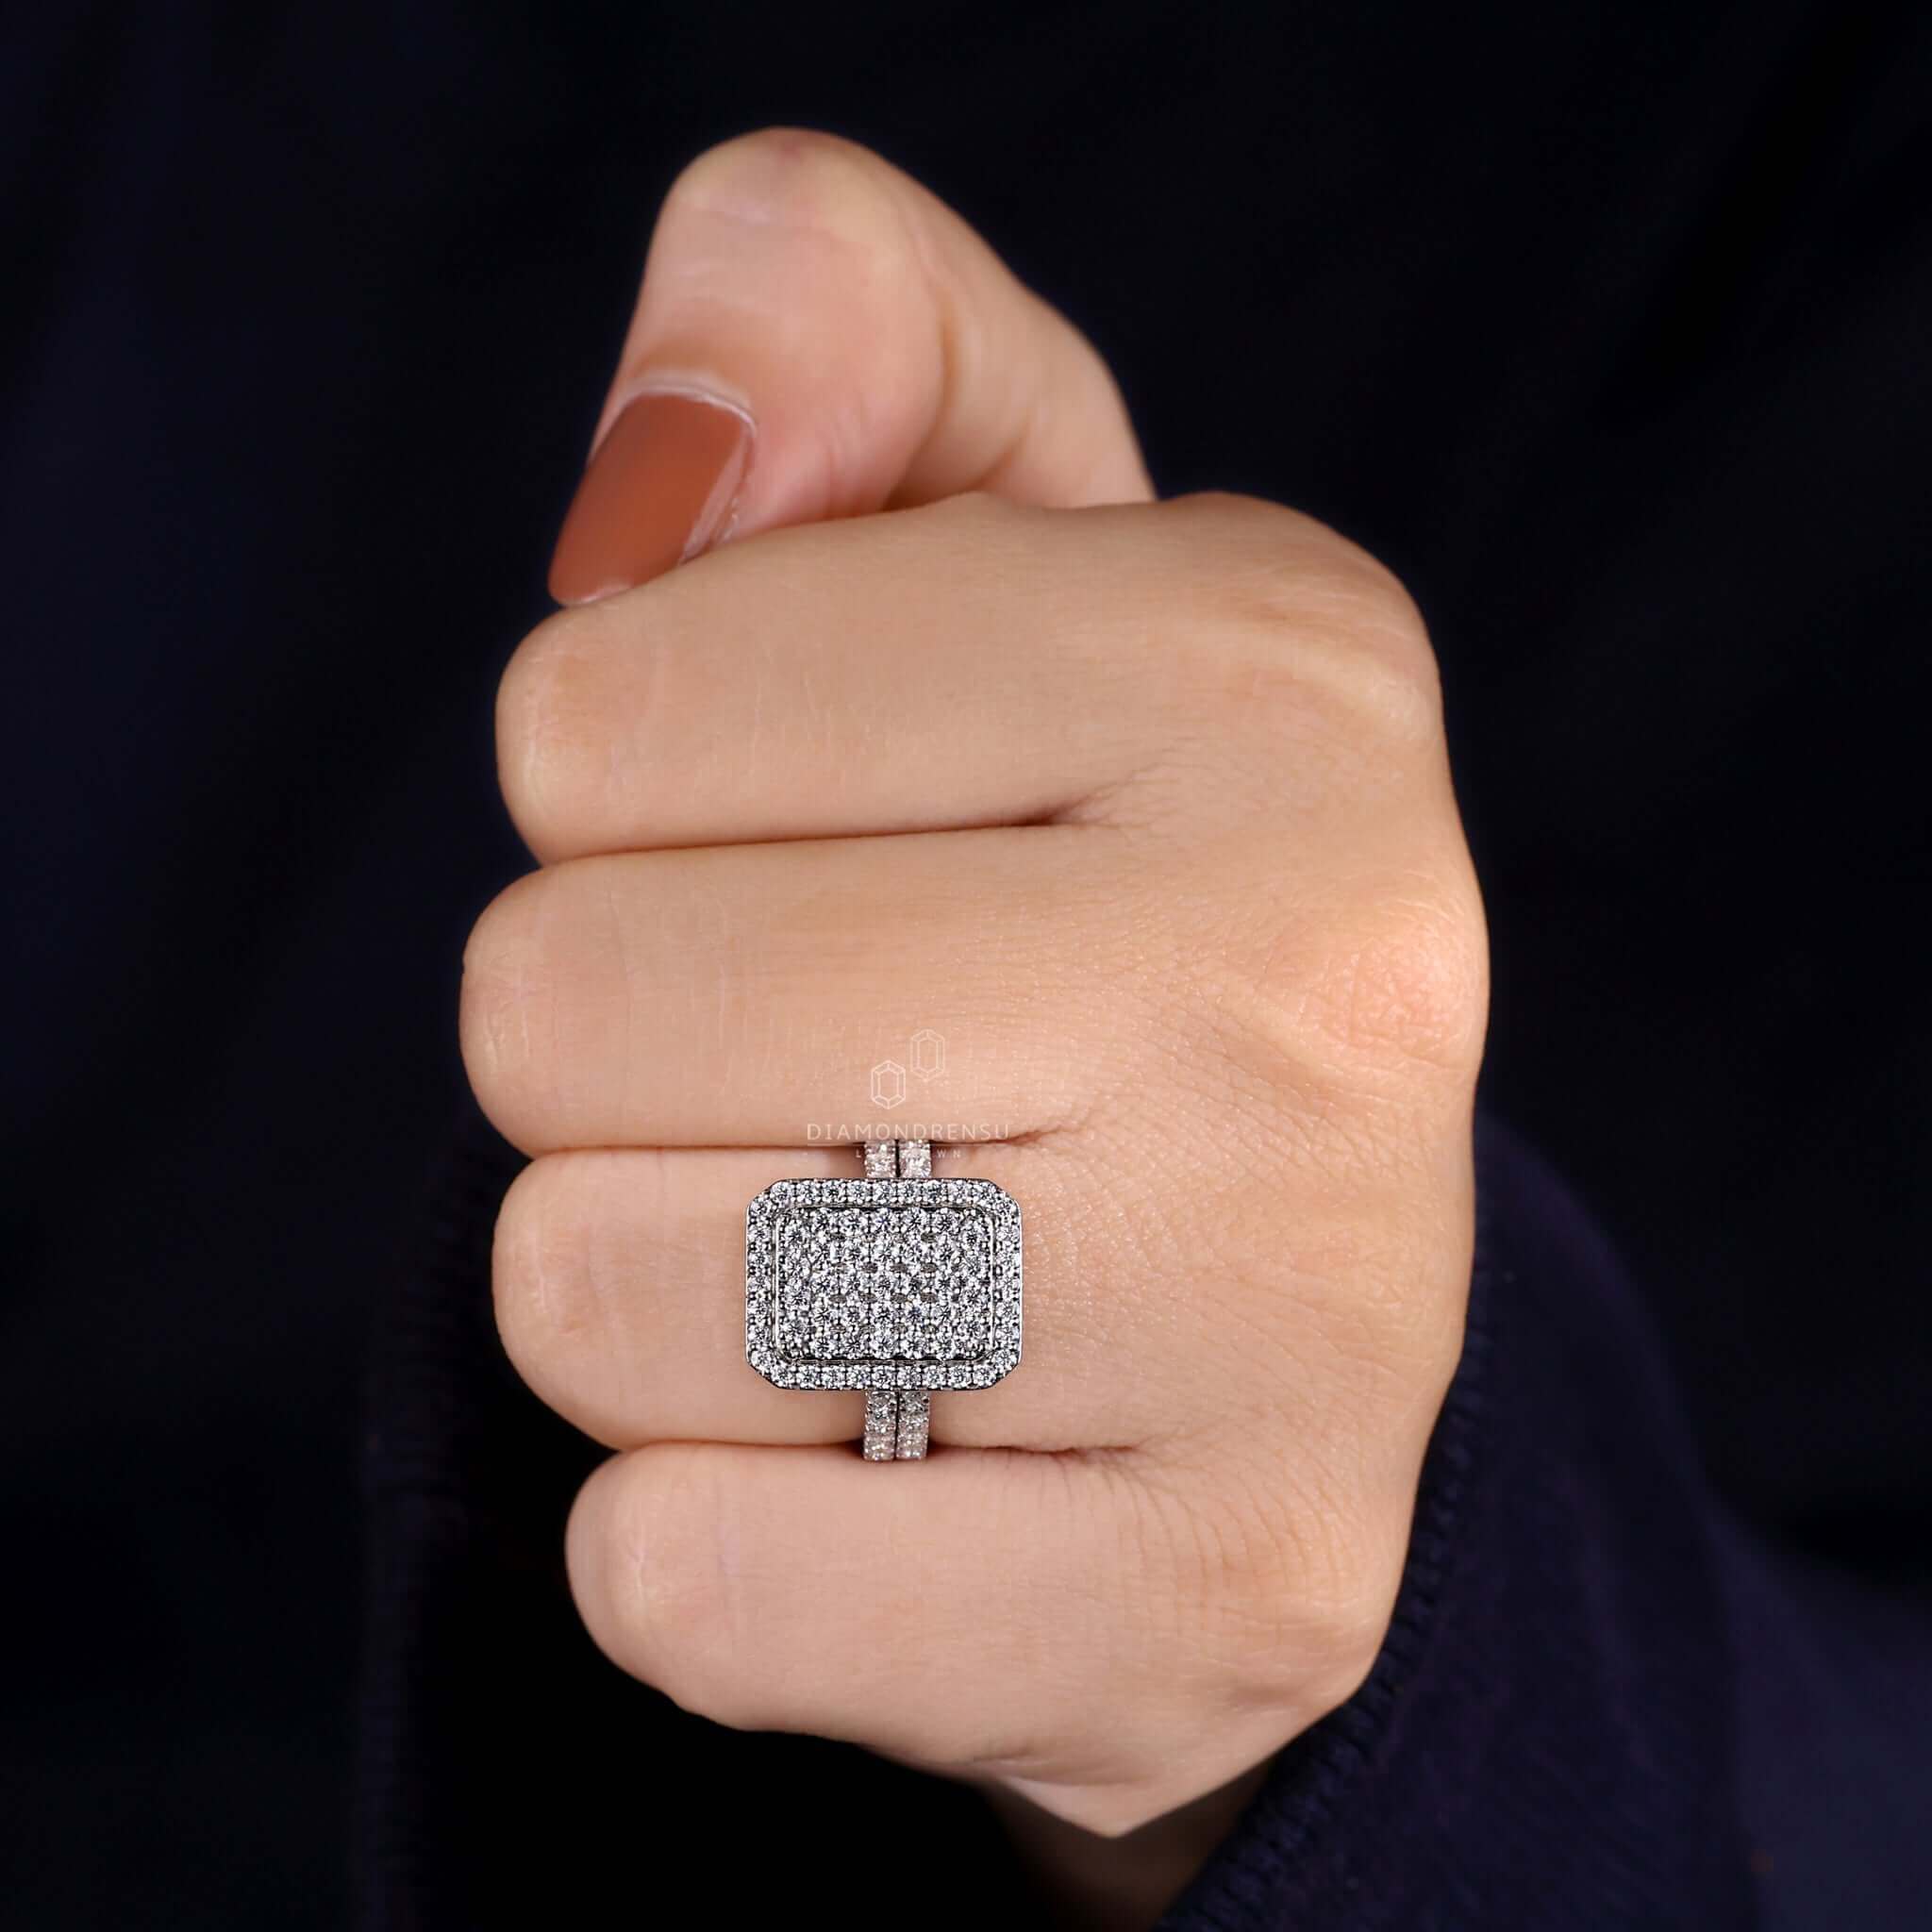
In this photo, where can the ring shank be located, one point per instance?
(898, 1422)
(881, 1441)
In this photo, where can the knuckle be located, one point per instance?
(1342, 1632)
(544, 1273)
(1407, 979)
(1302, 617)
(1299, 1596)
(509, 993)
(1324, 991)
(645, 1540)
(553, 737)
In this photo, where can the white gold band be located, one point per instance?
(915, 1425)
(881, 1444)
(898, 1422)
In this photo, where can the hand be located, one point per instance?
(1144, 809)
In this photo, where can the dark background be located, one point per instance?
(1606, 327)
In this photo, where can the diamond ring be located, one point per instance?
(896, 1283)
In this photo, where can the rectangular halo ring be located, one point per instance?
(882, 1284)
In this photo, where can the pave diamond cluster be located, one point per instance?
(882, 1284)
(858, 1284)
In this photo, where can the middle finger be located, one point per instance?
(746, 995)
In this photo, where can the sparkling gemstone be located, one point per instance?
(881, 1284)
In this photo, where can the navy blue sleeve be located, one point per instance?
(1600, 1703)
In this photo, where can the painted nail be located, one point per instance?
(660, 488)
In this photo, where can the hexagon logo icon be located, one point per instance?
(888, 1084)
(928, 1054)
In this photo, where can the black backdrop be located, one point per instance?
(1606, 327)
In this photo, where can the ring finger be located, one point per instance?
(619, 1294)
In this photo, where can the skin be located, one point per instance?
(1144, 807)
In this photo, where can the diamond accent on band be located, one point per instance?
(915, 1424)
(881, 1425)
(903, 1284)
(881, 1160)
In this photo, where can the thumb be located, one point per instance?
(817, 337)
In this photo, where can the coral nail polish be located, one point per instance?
(660, 488)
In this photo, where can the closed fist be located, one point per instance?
(1144, 810)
